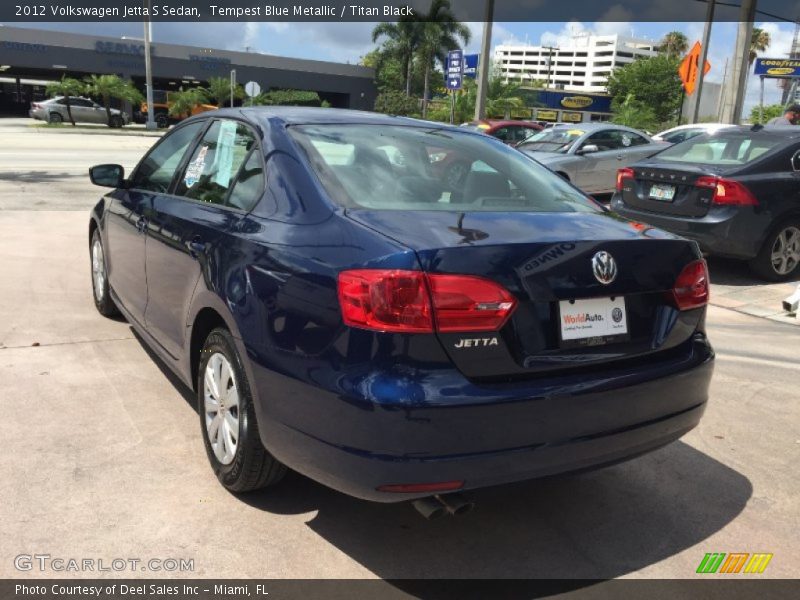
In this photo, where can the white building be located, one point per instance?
(583, 65)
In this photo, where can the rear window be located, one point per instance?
(554, 139)
(416, 168)
(720, 149)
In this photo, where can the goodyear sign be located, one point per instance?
(576, 101)
(783, 68)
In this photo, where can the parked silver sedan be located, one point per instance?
(83, 110)
(589, 154)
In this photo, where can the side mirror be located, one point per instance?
(588, 149)
(796, 162)
(107, 175)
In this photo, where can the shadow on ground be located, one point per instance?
(37, 176)
(597, 525)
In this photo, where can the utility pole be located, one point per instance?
(148, 67)
(703, 57)
(483, 62)
(549, 63)
(734, 103)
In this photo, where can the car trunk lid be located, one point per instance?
(546, 261)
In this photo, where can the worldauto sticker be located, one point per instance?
(592, 317)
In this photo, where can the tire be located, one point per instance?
(101, 291)
(116, 121)
(55, 117)
(779, 258)
(241, 464)
(162, 120)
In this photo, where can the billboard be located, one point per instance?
(779, 68)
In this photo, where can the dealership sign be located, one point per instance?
(576, 101)
(120, 48)
(782, 68)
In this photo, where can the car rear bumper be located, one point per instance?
(725, 231)
(392, 432)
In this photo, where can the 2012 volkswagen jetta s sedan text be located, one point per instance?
(340, 311)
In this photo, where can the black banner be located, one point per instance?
(383, 10)
(715, 587)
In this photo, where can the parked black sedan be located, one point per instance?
(736, 192)
(340, 309)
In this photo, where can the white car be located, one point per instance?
(685, 132)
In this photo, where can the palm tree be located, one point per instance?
(183, 101)
(758, 43)
(219, 90)
(440, 32)
(402, 39)
(68, 86)
(111, 86)
(674, 43)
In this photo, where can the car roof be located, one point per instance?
(590, 127)
(789, 132)
(304, 115)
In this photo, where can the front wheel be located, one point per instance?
(102, 296)
(162, 120)
(116, 121)
(228, 420)
(779, 257)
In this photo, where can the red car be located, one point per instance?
(510, 132)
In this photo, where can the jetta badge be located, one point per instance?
(604, 267)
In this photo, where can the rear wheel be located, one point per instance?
(116, 121)
(102, 296)
(227, 418)
(55, 117)
(779, 257)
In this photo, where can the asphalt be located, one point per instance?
(103, 457)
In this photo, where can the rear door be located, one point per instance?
(192, 227)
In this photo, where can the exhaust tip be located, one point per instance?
(456, 504)
(429, 507)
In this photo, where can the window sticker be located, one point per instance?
(195, 168)
(626, 140)
(224, 155)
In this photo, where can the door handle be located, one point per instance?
(141, 225)
(196, 246)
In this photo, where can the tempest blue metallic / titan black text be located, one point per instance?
(343, 309)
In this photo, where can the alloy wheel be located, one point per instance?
(786, 251)
(221, 400)
(98, 270)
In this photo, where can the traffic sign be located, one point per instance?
(251, 88)
(454, 73)
(689, 69)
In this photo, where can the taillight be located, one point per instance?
(623, 174)
(727, 191)
(691, 286)
(416, 302)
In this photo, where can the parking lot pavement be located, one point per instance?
(43, 169)
(734, 287)
(103, 459)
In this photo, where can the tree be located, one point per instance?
(287, 98)
(635, 114)
(106, 87)
(653, 82)
(183, 102)
(68, 86)
(439, 33)
(758, 43)
(401, 40)
(396, 103)
(770, 112)
(674, 44)
(218, 91)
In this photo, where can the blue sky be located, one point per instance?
(347, 42)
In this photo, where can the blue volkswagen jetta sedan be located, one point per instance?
(342, 311)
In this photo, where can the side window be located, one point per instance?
(82, 102)
(215, 162)
(156, 171)
(634, 139)
(503, 134)
(249, 184)
(677, 137)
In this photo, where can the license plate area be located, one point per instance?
(663, 192)
(592, 321)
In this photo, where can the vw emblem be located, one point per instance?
(604, 267)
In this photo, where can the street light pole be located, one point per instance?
(483, 62)
(148, 68)
(734, 103)
(703, 57)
